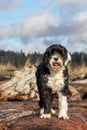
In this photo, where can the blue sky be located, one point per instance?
(33, 25)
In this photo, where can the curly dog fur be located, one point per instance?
(52, 77)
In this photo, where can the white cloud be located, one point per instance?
(34, 47)
(70, 22)
(60, 5)
(28, 48)
(70, 1)
(79, 29)
(65, 2)
(37, 26)
(9, 4)
(8, 46)
(81, 17)
(4, 32)
(44, 28)
(46, 25)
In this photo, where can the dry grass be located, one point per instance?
(8, 66)
(7, 69)
(78, 70)
(28, 63)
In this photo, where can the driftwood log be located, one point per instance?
(25, 116)
(23, 86)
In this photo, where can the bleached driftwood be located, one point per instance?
(23, 86)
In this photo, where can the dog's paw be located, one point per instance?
(45, 116)
(64, 117)
(41, 111)
(53, 111)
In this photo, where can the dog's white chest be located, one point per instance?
(56, 81)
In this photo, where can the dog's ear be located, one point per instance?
(45, 58)
(68, 59)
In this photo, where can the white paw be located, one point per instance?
(53, 111)
(41, 111)
(64, 117)
(45, 116)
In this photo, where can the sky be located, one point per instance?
(33, 25)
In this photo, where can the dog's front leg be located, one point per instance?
(63, 106)
(47, 104)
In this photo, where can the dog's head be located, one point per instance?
(56, 56)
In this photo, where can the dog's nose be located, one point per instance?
(55, 58)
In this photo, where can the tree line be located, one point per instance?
(78, 59)
(18, 59)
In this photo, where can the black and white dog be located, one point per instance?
(52, 77)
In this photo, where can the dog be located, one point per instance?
(51, 78)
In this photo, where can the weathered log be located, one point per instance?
(11, 115)
(23, 86)
(3, 78)
(79, 77)
(25, 116)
